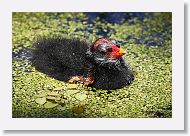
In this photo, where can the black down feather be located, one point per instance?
(63, 58)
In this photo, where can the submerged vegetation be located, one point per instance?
(147, 40)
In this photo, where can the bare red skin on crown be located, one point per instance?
(101, 41)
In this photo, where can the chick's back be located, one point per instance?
(59, 55)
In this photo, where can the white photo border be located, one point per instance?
(174, 123)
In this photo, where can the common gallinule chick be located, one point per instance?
(99, 65)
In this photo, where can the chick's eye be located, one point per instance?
(118, 45)
(109, 49)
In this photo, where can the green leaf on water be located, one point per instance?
(40, 101)
(49, 105)
(39, 96)
(61, 108)
(72, 86)
(51, 98)
(53, 94)
(70, 92)
(59, 88)
(80, 96)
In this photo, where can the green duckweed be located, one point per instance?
(149, 52)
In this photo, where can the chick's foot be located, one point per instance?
(86, 81)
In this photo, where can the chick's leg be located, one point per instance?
(87, 78)
(80, 79)
(75, 79)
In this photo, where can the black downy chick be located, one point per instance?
(99, 65)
